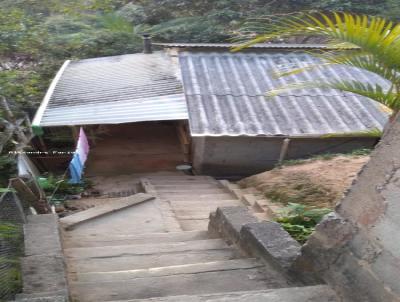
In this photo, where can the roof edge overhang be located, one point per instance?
(39, 113)
(300, 136)
(259, 46)
(50, 125)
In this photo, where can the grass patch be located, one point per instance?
(11, 280)
(325, 156)
(300, 189)
(11, 240)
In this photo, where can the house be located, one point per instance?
(204, 105)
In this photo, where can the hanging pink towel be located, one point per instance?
(78, 160)
(82, 147)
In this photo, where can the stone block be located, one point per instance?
(322, 249)
(55, 296)
(43, 274)
(43, 299)
(42, 239)
(42, 218)
(387, 268)
(228, 221)
(271, 242)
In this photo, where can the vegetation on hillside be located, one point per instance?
(36, 36)
(307, 189)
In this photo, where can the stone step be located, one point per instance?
(185, 186)
(181, 284)
(179, 177)
(197, 213)
(143, 249)
(194, 224)
(69, 222)
(317, 293)
(183, 269)
(190, 191)
(50, 219)
(200, 197)
(185, 202)
(188, 207)
(270, 208)
(178, 180)
(99, 240)
(262, 216)
(193, 215)
(141, 261)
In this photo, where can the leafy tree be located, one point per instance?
(89, 35)
(133, 13)
(378, 41)
(190, 29)
(370, 7)
(14, 31)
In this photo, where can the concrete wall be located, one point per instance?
(357, 249)
(220, 156)
(241, 156)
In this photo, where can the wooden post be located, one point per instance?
(26, 194)
(75, 133)
(185, 142)
(284, 150)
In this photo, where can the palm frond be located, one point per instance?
(371, 34)
(361, 60)
(352, 59)
(375, 92)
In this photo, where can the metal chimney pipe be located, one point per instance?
(147, 45)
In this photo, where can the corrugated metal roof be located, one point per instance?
(226, 97)
(118, 89)
(290, 46)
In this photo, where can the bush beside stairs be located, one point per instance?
(185, 263)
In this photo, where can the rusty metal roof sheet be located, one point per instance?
(111, 90)
(226, 91)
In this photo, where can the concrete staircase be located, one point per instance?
(184, 265)
(191, 198)
(181, 266)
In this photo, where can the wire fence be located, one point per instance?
(12, 218)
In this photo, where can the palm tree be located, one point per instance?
(378, 50)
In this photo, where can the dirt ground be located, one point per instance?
(320, 182)
(109, 189)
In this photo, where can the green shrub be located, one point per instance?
(300, 220)
(11, 236)
(51, 182)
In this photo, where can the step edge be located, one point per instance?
(174, 270)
